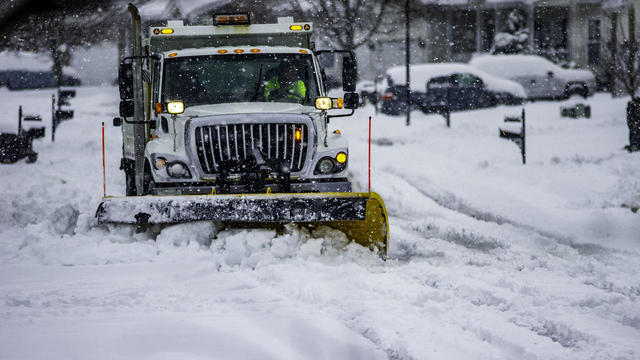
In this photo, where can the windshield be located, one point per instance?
(215, 79)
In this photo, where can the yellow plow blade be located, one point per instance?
(361, 216)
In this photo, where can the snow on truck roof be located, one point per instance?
(422, 73)
(234, 50)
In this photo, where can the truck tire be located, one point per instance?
(130, 183)
(149, 184)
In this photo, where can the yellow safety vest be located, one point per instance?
(296, 91)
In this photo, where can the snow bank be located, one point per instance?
(422, 73)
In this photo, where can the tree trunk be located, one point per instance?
(633, 121)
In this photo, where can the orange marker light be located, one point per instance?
(167, 31)
(173, 54)
(298, 135)
(156, 31)
(295, 27)
(238, 51)
(255, 50)
(158, 108)
(307, 27)
(223, 51)
(303, 51)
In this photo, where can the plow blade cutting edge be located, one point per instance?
(361, 216)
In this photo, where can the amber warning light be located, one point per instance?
(231, 19)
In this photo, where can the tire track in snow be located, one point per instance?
(564, 333)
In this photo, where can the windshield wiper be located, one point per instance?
(255, 96)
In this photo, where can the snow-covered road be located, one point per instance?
(490, 259)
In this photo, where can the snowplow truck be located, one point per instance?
(228, 123)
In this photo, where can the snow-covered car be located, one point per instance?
(367, 90)
(25, 70)
(458, 86)
(541, 78)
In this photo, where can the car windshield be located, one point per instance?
(215, 79)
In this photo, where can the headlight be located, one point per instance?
(159, 163)
(323, 103)
(325, 166)
(178, 170)
(175, 107)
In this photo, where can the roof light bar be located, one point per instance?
(231, 19)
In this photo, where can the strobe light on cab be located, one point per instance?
(175, 107)
(231, 19)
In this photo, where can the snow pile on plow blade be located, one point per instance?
(361, 216)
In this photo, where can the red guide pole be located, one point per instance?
(104, 172)
(369, 154)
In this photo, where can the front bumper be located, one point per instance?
(201, 188)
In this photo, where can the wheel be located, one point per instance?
(130, 182)
(148, 183)
(31, 158)
(576, 89)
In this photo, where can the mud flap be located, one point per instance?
(361, 216)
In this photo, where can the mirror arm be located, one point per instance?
(341, 115)
(138, 122)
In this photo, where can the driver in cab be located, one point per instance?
(285, 86)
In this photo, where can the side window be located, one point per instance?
(156, 81)
(439, 82)
(465, 80)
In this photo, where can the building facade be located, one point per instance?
(569, 32)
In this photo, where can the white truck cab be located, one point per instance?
(232, 108)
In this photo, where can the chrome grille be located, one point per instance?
(231, 146)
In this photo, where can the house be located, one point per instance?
(572, 32)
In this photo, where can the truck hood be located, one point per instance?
(247, 107)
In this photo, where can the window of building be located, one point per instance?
(593, 42)
(463, 35)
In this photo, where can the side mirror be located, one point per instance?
(351, 100)
(349, 73)
(550, 74)
(126, 108)
(125, 81)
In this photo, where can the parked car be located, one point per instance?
(458, 86)
(24, 70)
(367, 90)
(540, 78)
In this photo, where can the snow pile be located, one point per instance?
(422, 73)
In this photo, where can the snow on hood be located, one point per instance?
(515, 66)
(422, 73)
(27, 61)
(247, 107)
